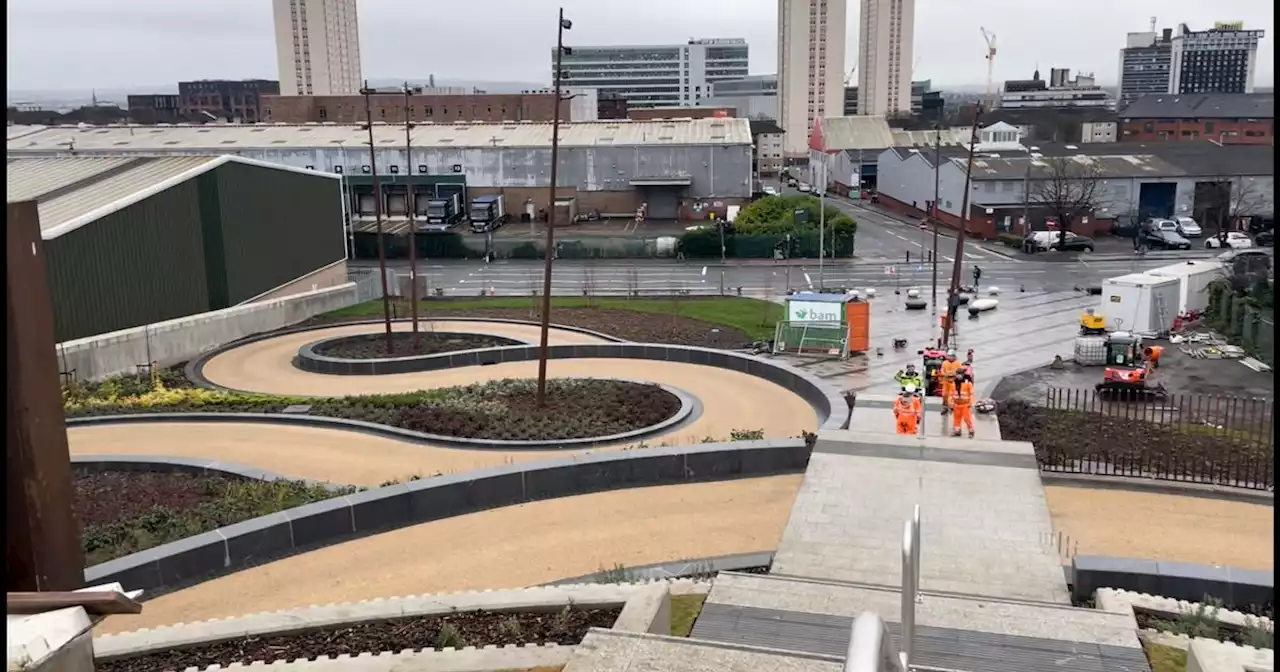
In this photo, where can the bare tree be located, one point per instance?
(1224, 199)
(1068, 188)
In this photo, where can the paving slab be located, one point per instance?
(985, 527)
(610, 651)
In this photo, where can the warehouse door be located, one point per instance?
(1156, 199)
(663, 202)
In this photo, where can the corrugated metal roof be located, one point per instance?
(231, 137)
(31, 178)
(948, 136)
(147, 174)
(18, 130)
(861, 132)
(1202, 106)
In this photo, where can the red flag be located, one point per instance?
(816, 143)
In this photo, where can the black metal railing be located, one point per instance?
(1200, 438)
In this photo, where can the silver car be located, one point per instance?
(1188, 227)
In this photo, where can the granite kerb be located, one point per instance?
(690, 410)
(183, 465)
(1236, 587)
(693, 567)
(229, 549)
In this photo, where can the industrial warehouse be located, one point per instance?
(130, 241)
(607, 167)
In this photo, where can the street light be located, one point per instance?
(377, 211)
(563, 25)
(413, 224)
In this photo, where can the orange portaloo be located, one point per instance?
(857, 314)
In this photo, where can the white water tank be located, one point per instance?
(1091, 350)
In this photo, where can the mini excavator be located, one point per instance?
(1129, 367)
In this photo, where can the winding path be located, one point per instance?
(729, 399)
(553, 539)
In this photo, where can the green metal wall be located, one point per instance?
(142, 264)
(266, 227)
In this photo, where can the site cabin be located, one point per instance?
(1194, 277)
(833, 324)
(1140, 303)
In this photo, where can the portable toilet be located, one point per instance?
(831, 323)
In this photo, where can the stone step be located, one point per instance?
(613, 651)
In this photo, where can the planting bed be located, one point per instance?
(1125, 446)
(1203, 624)
(123, 512)
(374, 346)
(498, 410)
(457, 630)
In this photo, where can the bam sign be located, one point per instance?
(813, 311)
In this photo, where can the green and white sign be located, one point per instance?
(814, 311)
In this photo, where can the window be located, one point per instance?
(324, 114)
(989, 187)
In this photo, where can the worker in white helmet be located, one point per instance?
(906, 411)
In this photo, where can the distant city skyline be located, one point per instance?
(148, 42)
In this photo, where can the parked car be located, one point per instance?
(804, 188)
(1236, 240)
(1187, 227)
(1043, 241)
(1248, 261)
(1074, 243)
(1124, 226)
(1163, 238)
(770, 191)
(1265, 238)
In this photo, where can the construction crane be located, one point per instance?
(990, 37)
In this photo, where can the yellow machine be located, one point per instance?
(1092, 324)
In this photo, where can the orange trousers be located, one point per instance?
(906, 423)
(962, 413)
(948, 391)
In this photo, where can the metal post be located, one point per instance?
(413, 224)
(822, 224)
(551, 216)
(937, 192)
(964, 222)
(43, 548)
(377, 212)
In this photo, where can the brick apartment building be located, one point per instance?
(1226, 118)
(654, 113)
(225, 99)
(390, 107)
(156, 108)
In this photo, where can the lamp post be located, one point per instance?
(937, 192)
(377, 212)
(413, 224)
(563, 25)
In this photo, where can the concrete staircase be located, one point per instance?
(973, 587)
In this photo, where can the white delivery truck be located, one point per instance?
(1194, 278)
(1139, 302)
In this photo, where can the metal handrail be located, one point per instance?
(870, 647)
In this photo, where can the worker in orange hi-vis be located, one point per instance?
(906, 411)
(962, 405)
(948, 372)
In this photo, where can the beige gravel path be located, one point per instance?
(250, 366)
(1165, 527)
(505, 548)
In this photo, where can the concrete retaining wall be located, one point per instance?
(1237, 588)
(182, 465)
(252, 542)
(182, 339)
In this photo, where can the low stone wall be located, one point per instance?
(645, 608)
(252, 542)
(179, 340)
(693, 567)
(1177, 580)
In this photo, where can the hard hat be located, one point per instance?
(908, 389)
(911, 367)
(951, 354)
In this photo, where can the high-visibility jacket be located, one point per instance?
(964, 395)
(905, 379)
(950, 369)
(904, 405)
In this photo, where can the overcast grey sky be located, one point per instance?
(80, 44)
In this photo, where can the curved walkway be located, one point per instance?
(1173, 528)
(552, 539)
(730, 400)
